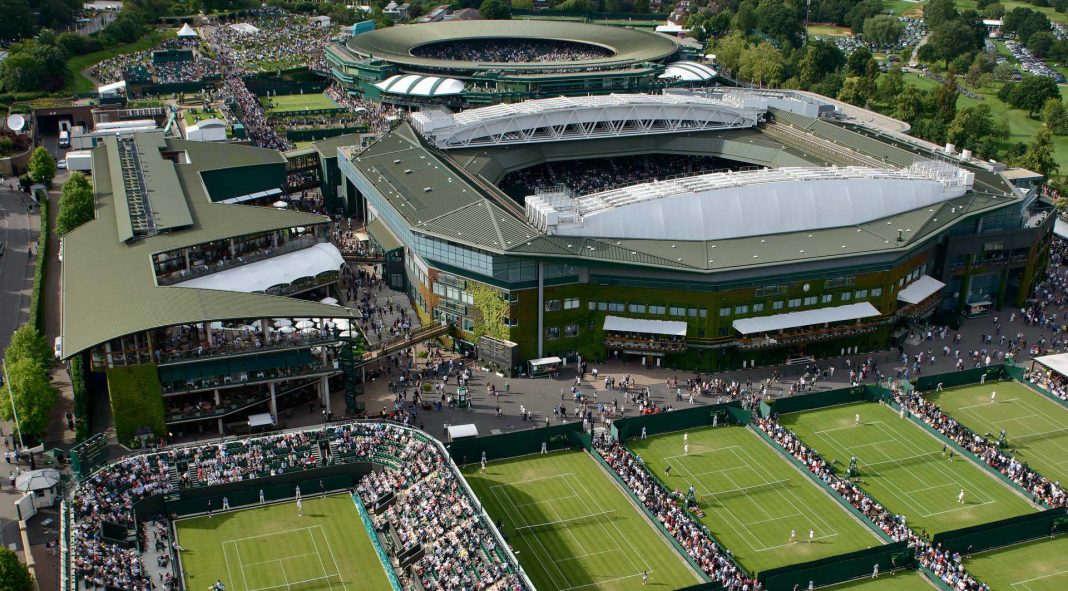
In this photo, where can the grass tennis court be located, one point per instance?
(902, 466)
(573, 527)
(1041, 565)
(1036, 427)
(272, 548)
(752, 497)
(902, 580)
(297, 102)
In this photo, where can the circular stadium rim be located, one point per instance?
(629, 46)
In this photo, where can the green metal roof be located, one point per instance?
(152, 178)
(327, 148)
(109, 288)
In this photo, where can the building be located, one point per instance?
(820, 237)
(423, 65)
(221, 299)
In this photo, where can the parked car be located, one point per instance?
(59, 347)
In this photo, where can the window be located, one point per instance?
(741, 309)
(513, 297)
(615, 307)
(725, 311)
(846, 296)
(876, 292)
(636, 308)
(703, 313)
(692, 312)
(593, 305)
(794, 302)
(758, 307)
(811, 300)
(826, 298)
(776, 305)
(552, 332)
(571, 304)
(469, 325)
(677, 311)
(900, 281)
(658, 310)
(571, 330)
(602, 306)
(552, 305)
(861, 294)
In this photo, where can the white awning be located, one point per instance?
(920, 290)
(251, 196)
(639, 325)
(285, 268)
(462, 432)
(545, 361)
(1060, 228)
(186, 32)
(805, 318)
(111, 89)
(689, 72)
(1058, 363)
(418, 85)
(260, 420)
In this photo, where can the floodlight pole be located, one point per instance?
(14, 412)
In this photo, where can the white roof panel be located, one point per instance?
(760, 324)
(641, 325)
(545, 361)
(920, 290)
(1060, 228)
(286, 268)
(1058, 363)
(462, 431)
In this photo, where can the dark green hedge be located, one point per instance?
(83, 406)
(136, 401)
(39, 274)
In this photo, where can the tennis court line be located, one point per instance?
(829, 532)
(322, 564)
(619, 534)
(515, 525)
(230, 574)
(1032, 580)
(248, 564)
(518, 505)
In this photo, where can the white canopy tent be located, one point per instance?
(186, 32)
(805, 318)
(244, 28)
(920, 290)
(262, 419)
(1058, 362)
(286, 268)
(1060, 228)
(545, 361)
(112, 89)
(462, 432)
(639, 325)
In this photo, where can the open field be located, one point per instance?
(1057, 17)
(753, 497)
(905, 7)
(1041, 565)
(272, 548)
(902, 467)
(902, 580)
(573, 527)
(297, 102)
(1036, 427)
(828, 31)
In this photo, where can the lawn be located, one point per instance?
(1011, 4)
(902, 467)
(271, 547)
(904, 7)
(1041, 565)
(573, 527)
(828, 31)
(753, 497)
(1037, 427)
(902, 580)
(297, 102)
(77, 83)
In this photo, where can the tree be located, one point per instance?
(939, 12)
(819, 59)
(1032, 92)
(854, 91)
(492, 309)
(762, 64)
(14, 576)
(994, 11)
(18, 20)
(945, 100)
(76, 205)
(1041, 43)
(951, 39)
(781, 21)
(28, 344)
(34, 397)
(1004, 71)
(857, 64)
(911, 105)
(729, 50)
(42, 167)
(856, 16)
(1024, 22)
(890, 85)
(882, 29)
(1055, 116)
(495, 10)
(1038, 157)
(745, 19)
(975, 129)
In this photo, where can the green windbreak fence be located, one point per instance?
(1005, 532)
(820, 400)
(836, 569)
(960, 378)
(510, 445)
(677, 420)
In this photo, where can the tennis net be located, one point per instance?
(569, 522)
(745, 491)
(1040, 436)
(909, 461)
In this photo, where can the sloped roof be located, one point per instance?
(417, 85)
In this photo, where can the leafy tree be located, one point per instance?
(951, 39)
(1055, 116)
(641, 6)
(126, 28)
(1031, 93)
(945, 99)
(34, 397)
(856, 16)
(14, 576)
(994, 11)
(1024, 22)
(56, 14)
(857, 64)
(762, 64)
(1004, 71)
(1041, 43)
(911, 105)
(32, 66)
(18, 20)
(819, 59)
(28, 343)
(76, 205)
(890, 85)
(854, 91)
(1038, 157)
(729, 50)
(939, 12)
(495, 10)
(42, 167)
(975, 129)
(781, 21)
(882, 29)
(745, 19)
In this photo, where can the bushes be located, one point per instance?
(136, 401)
(83, 406)
(75, 205)
(39, 273)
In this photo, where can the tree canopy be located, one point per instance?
(34, 397)
(1039, 154)
(882, 29)
(75, 204)
(495, 10)
(14, 576)
(42, 166)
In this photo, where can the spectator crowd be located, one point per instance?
(511, 51)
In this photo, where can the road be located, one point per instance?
(18, 230)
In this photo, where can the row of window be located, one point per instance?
(556, 305)
(569, 330)
(826, 298)
(655, 310)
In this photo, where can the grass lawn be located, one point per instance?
(753, 497)
(77, 83)
(272, 547)
(298, 102)
(828, 31)
(200, 115)
(1011, 4)
(902, 580)
(905, 7)
(1037, 427)
(1041, 565)
(572, 527)
(902, 467)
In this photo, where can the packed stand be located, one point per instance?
(601, 174)
(947, 565)
(117, 68)
(670, 510)
(275, 40)
(377, 115)
(252, 115)
(511, 51)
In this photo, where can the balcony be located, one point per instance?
(639, 345)
(245, 378)
(200, 268)
(249, 345)
(806, 336)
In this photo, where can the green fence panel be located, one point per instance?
(959, 378)
(820, 400)
(739, 416)
(765, 409)
(836, 569)
(819, 482)
(386, 564)
(933, 578)
(997, 534)
(322, 133)
(510, 445)
(677, 420)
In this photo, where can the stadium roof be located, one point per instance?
(628, 46)
(689, 72)
(109, 288)
(417, 85)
